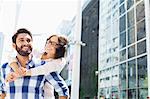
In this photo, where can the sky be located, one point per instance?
(44, 16)
(39, 16)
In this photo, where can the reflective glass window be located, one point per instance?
(131, 51)
(141, 31)
(123, 94)
(140, 11)
(129, 3)
(142, 71)
(132, 74)
(122, 23)
(123, 55)
(122, 76)
(141, 47)
(122, 9)
(121, 1)
(130, 18)
(123, 40)
(143, 93)
(131, 35)
(132, 94)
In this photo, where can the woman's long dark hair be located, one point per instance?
(62, 46)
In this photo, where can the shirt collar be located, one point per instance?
(29, 64)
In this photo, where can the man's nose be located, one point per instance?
(26, 42)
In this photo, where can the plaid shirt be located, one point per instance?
(31, 87)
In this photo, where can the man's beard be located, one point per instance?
(22, 52)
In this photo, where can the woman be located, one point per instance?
(55, 49)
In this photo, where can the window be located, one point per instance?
(132, 94)
(122, 9)
(129, 3)
(131, 51)
(123, 55)
(121, 1)
(130, 18)
(122, 76)
(123, 40)
(123, 94)
(122, 23)
(141, 30)
(131, 35)
(140, 11)
(143, 92)
(131, 74)
(142, 71)
(141, 47)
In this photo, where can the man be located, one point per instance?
(27, 87)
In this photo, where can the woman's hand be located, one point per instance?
(11, 77)
(14, 75)
(20, 71)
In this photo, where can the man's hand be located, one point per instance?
(11, 77)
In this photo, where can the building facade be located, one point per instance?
(89, 53)
(67, 28)
(124, 49)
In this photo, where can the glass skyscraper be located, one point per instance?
(124, 49)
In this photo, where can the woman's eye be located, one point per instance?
(28, 40)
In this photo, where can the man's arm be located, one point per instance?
(2, 84)
(59, 85)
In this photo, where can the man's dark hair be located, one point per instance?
(20, 31)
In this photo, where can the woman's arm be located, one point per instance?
(13, 64)
(51, 66)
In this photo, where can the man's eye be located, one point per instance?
(21, 40)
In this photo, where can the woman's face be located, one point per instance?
(51, 45)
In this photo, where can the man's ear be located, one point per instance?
(14, 45)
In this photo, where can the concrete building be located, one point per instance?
(124, 45)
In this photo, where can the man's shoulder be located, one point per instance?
(5, 65)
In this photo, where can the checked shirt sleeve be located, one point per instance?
(2, 81)
(58, 83)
